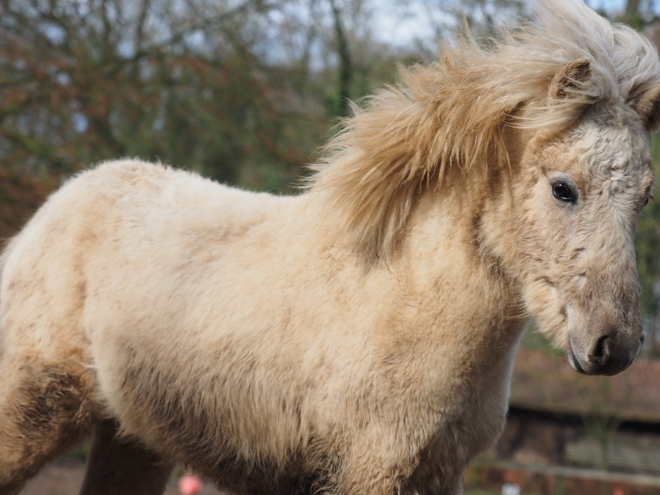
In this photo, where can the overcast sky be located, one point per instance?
(402, 27)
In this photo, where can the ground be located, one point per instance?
(65, 475)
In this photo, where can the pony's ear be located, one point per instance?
(571, 80)
(648, 108)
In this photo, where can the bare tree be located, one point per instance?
(188, 82)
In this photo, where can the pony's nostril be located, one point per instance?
(609, 354)
(601, 350)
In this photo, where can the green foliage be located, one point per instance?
(648, 248)
(533, 339)
(81, 451)
(481, 491)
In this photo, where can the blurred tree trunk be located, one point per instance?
(632, 7)
(345, 68)
(632, 15)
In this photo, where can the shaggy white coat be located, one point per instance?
(358, 338)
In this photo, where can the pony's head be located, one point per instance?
(572, 241)
(570, 236)
(552, 125)
(583, 177)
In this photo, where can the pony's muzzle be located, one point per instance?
(607, 354)
(602, 340)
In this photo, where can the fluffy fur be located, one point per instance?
(358, 338)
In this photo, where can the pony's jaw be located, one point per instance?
(596, 320)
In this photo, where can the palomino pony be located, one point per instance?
(358, 338)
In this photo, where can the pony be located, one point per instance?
(357, 338)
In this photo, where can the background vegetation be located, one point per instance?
(242, 91)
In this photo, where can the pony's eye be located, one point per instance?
(564, 192)
(646, 201)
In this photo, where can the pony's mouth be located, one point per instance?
(573, 361)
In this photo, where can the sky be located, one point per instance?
(398, 27)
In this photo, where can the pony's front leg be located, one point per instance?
(375, 473)
(368, 470)
(387, 484)
(118, 466)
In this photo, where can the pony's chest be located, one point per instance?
(472, 426)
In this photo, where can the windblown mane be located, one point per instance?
(452, 114)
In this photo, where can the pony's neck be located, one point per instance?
(449, 259)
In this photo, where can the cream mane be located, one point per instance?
(453, 113)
